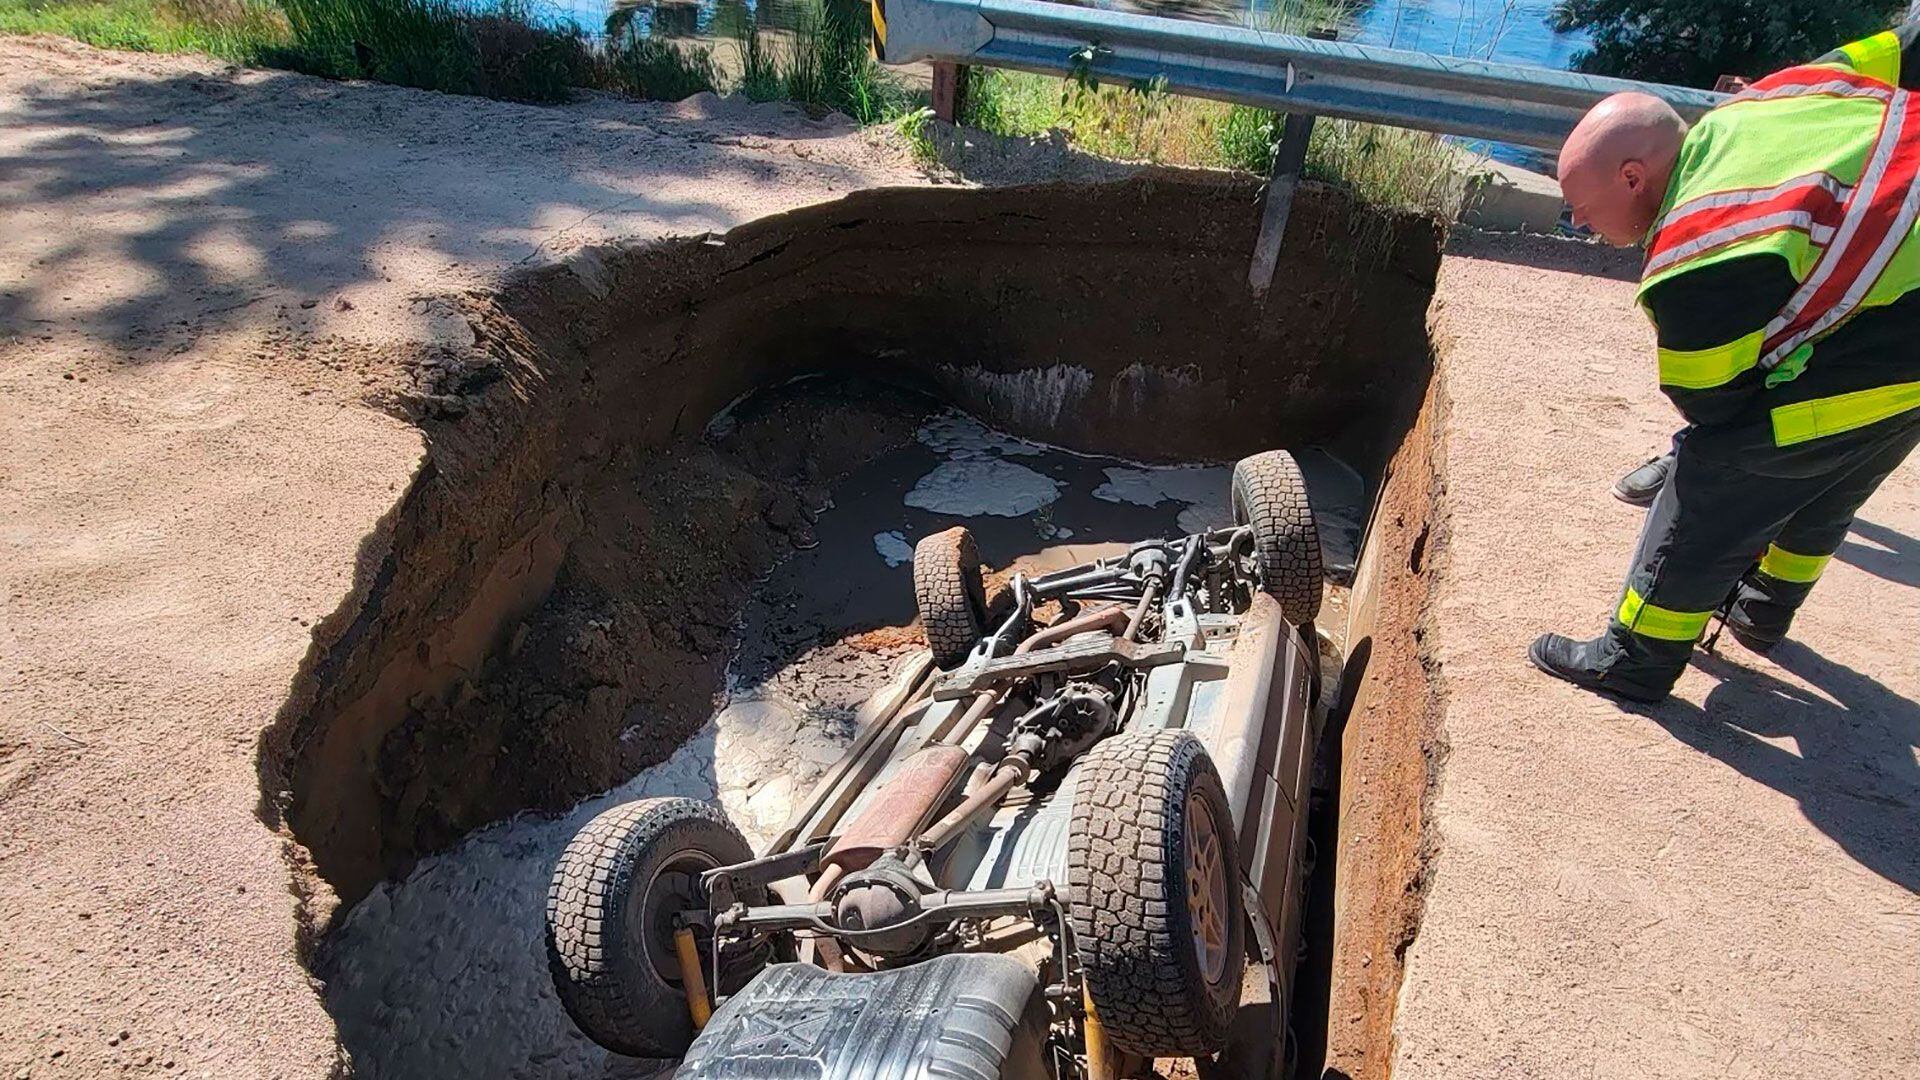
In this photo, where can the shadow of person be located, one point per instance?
(1887, 553)
(1854, 775)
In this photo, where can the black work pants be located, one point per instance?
(1719, 515)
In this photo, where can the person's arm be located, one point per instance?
(1710, 323)
(1892, 57)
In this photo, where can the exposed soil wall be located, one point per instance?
(547, 610)
(1389, 747)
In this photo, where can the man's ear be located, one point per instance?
(1633, 173)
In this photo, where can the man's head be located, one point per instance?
(1615, 166)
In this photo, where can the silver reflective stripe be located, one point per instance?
(1836, 252)
(1739, 230)
(1836, 88)
(1691, 207)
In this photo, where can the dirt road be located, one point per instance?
(203, 275)
(1721, 885)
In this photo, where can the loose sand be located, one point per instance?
(1721, 885)
(204, 275)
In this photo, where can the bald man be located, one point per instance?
(1783, 259)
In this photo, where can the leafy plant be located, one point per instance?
(912, 127)
(1249, 137)
(1694, 42)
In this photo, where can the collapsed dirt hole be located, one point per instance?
(607, 520)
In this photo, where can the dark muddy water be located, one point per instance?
(1027, 505)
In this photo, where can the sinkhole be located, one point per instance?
(658, 546)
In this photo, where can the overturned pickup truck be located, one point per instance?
(1060, 843)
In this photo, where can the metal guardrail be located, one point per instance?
(1503, 102)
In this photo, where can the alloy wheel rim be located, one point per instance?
(1206, 888)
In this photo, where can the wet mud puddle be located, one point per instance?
(444, 974)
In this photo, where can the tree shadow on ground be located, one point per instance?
(144, 212)
(1854, 776)
(1557, 253)
(1888, 553)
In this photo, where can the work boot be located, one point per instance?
(1762, 612)
(1749, 639)
(1641, 486)
(1586, 664)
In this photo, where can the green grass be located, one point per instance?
(650, 68)
(828, 65)
(236, 30)
(1384, 166)
(760, 67)
(1394, 167)
(421, 43)
(498, 54)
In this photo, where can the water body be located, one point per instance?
(1509, 31)
(1513, 31)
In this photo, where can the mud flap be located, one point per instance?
(1259, 1047)
(972, 1016)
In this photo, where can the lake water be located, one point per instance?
(1511, 31)
(1515, 31)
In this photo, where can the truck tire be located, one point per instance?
(1154, 888)
(610, 920)
(950, 593)
(1270, 494)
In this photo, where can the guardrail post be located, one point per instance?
(949, 90)
(1289, 158)
(1245, 65)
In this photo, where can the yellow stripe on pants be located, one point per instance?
(1783, 565)
(1654, 621)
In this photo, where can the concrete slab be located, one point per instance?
(1507, 198)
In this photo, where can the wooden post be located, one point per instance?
(1288, 160)
(949, 90)
(1289, 157)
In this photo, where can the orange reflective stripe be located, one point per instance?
(1880, 215)
(1812, 80)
